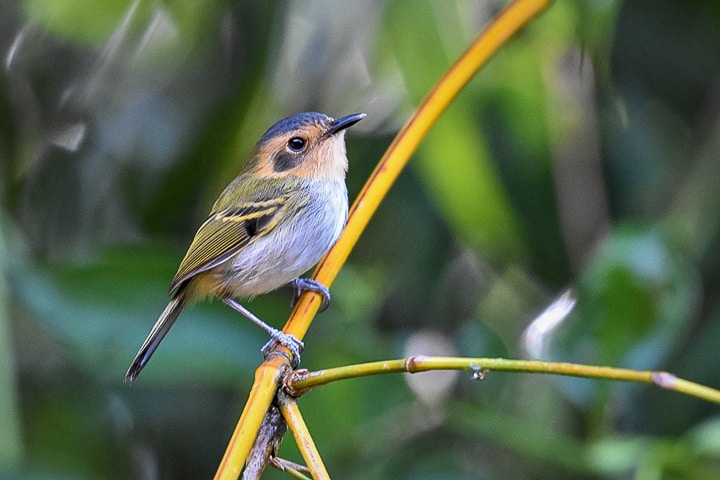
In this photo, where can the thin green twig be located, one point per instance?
(303, 380)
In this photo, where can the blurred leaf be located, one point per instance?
(11, 442)
(84, 21)
(453, 161)
(69, 422)
(637, 298)
(464, 183)
(706, 437)
(634, 302)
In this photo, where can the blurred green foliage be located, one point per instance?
(584, 156)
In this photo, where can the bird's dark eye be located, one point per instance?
(296, 144)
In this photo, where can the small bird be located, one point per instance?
(272, 223)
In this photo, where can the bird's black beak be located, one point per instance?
(344, 122)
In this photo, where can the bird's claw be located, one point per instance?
(293, 344)
(302, 284)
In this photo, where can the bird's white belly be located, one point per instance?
(292, 247)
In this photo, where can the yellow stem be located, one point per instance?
(267, 379)
(289, 408)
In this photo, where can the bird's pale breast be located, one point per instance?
(294, 245)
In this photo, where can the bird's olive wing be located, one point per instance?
(226, 232)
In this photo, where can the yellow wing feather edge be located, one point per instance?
(225, 233)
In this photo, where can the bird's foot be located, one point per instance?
(292, 343)
(308, 284)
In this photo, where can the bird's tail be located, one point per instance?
(158, 332)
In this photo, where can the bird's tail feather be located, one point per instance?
(158, 332)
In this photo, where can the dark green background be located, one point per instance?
(584, 157)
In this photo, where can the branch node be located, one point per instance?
(412, 363)
(292, 378)
(664, 379)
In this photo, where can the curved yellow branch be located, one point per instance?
(398, 154)
(290, 410)
(267, 379)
